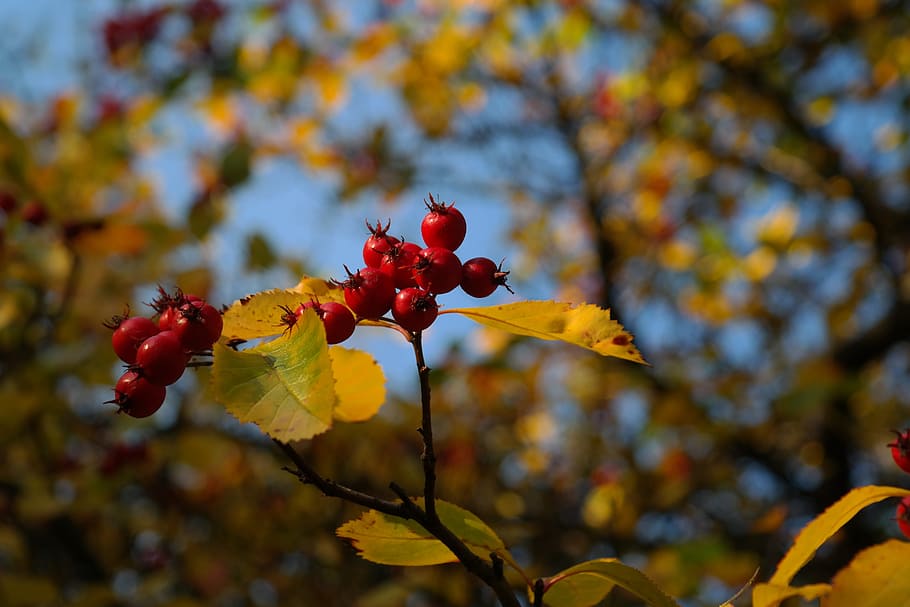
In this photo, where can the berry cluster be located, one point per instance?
(157, 351)
(405, 278)
(900, 451)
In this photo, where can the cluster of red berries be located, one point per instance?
(157, 350)
(900, 451)
(405, 278)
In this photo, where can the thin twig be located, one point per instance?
(538, 593)
(428, 457)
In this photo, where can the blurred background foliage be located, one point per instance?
(730, 177)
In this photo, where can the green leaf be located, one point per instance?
(284, 386)
(879, 575)
(359, 384)
(587, 584)
(389, 540)
(259, 315)
(584, 325)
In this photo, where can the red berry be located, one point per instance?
(903, 516)
(338, 321)
(34, 213)
(368, 292)
(900, 450)
(398, 262)
(437, 270)
(161, 358)
(414, 309)
(480, 276)
(377, 244)
(444, 226)
(130, 334)
(136, 396)
(198, 325)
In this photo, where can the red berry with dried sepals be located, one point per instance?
(414, 309)
(136, 396)
(198, 325)
(161, 359)
(903, 516)
(368, 292)
(480, 276)
(437, 270)
(129, 335)
(378, 244)
(337, 319)
(398, 262)
(443, 226)
(900, 450)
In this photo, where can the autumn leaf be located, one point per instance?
(879, 575)
(359, 384)
(284, 386)
(586, 584)
(584, 325)
(388, 540)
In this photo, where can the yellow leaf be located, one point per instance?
(259, 315)
(770, 595)
(827, 524)
(584, 325)
(879, 575)
(586, 584)
(359, 384)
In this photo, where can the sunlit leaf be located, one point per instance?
(587, 584)
(259, 315)
(584, 325)
(284, 386)
(392, 541)
(771, 595)
(879, 575)
(359, 384)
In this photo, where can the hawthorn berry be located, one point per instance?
(443, 226)
(903, 516)
(414, 309)
(129, 335)
(198, 325)
(378, 243)
(137, 396)
(437, 270)
(337, 319)
(398, 263)
(900, 450)
(480, 276)
(161, 358)
(368, 292)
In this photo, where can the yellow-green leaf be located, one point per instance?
(587, 584)
(771, 595)
(388, 540)
(284, 386)
(584, 325)
(359, 384)
(827, 524)
(259, 315)
(879, 575)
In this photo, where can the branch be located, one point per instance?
(428, 457)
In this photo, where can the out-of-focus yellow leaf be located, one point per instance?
(359, 384)
(284, 386)
(20, 590)
(113, 238)
(879, 575)
(259, 315)
(771, 595)
(602, 503)
(586, 584)
(584, 325)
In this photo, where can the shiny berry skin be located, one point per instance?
(167, 318)
(337, 319)
(398, 263)
(437, 270)
(414, 309)
(130, 334)
(368, 292)
(378, 243)
(443, 226)
(903, 516)
(136, 396)
(900, 450)
(161, 358)
(198, 325)
(480, 276)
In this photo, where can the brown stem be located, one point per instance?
(428, 457)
